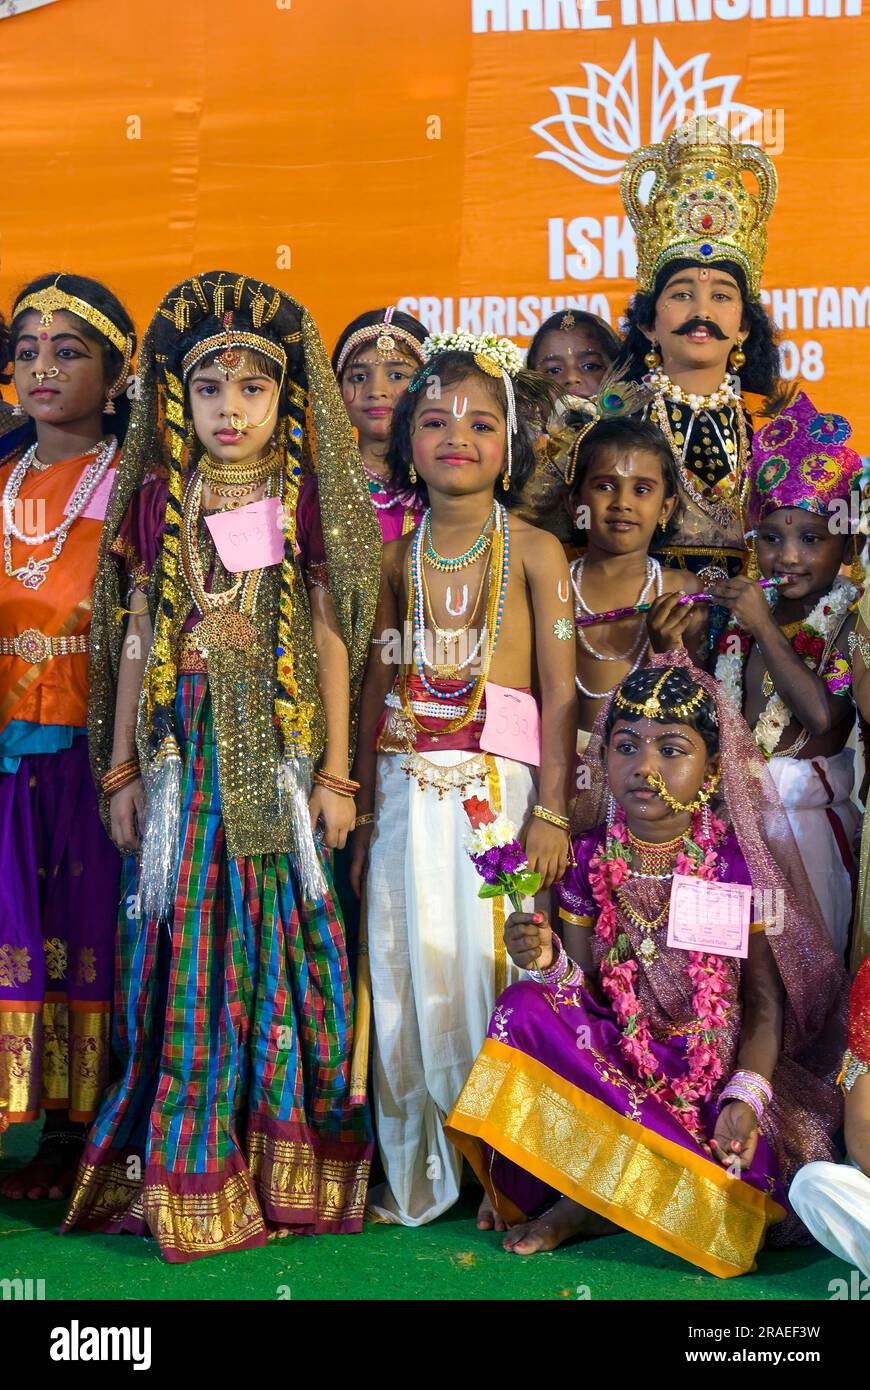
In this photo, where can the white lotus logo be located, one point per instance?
(599, 125)
(10, 8)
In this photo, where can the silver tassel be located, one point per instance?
(295, 779)
(158, 867)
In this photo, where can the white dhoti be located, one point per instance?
(833, 1202)
(438, 963)
(817, 796)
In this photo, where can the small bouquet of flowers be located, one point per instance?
(498, 856)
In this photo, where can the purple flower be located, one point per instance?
(504, 859)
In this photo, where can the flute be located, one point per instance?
(590, 619)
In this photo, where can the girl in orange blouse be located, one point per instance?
(71, 343)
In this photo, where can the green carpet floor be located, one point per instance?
(449, 1259)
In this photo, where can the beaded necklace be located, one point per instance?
(450, 565)
(34, 574)
(499, 568)
(636, 654)
(378, 490)
(724, 509)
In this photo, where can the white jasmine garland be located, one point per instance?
(500, 350)
(776, 715)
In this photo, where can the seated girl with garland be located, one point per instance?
(783, 657)
(668, 1091)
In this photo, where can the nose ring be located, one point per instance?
(238, 421)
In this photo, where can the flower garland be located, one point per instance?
(501, 351)
(811, 640)
(707, 975)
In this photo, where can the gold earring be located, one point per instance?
(412, 473)
(752, 570)
(856, 570)
(505, 481)
(736, 357)
(653, 358)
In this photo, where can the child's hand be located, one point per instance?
(746, 600)
(735, 1137)
(127, 816)
(667, 621)
(359, 857)
(546, 848)
(528, 938)
(338, 814)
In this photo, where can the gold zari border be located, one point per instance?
(20, 1047)
(620, 1169)
(291, 1177)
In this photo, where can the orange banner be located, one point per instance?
(461, 160)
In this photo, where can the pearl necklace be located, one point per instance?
(725, 394)
(34, 574)
(635, 655)
(374, 481)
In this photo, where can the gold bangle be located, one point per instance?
(560, 822)
(342, 786)
(363, 820)
(119, 776)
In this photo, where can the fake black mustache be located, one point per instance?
(712, 328)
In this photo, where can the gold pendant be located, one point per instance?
(647, 950)
(223, 630)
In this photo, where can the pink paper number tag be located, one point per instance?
(711, 917)
(512, 727)
(249, 538)
(96, 508)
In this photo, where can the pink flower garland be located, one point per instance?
(608, 869)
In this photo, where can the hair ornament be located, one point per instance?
(653, 706)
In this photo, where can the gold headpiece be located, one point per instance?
(49, 300)
(699, 208)
(231, 341)
(388, 339)
(653, 707)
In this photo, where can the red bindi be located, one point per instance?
(43, 336)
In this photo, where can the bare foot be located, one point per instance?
(278, 1233)
(488, 1218)
(48, 1176)
(560, 1223)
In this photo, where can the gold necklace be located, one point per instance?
(452, 634)
(245, 471)
(222, 627)
(654, 858)
(644, 923)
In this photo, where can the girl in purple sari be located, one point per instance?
(631, 1084)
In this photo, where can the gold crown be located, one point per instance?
(699, 208)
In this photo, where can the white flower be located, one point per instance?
(492, 836)
(500, 350)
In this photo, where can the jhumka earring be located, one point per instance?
(736, 357)
(856, 570)
(653, 357)
(18, 408)
(505, 481)
(752, 570)
(412, 473)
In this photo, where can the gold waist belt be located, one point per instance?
(34, 646)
